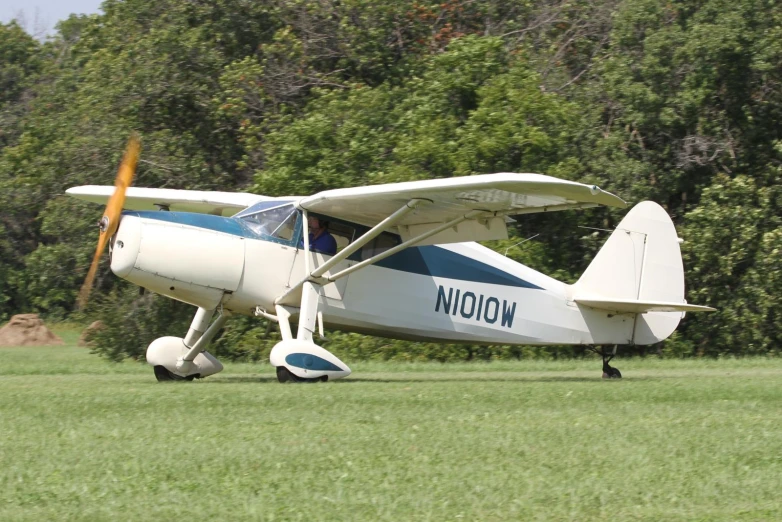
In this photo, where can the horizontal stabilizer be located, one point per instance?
(638, 307)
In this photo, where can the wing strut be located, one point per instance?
(300, 358)
(356, 245)
(410, 242)
(378, 229)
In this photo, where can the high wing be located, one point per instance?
(206, 202)
(486, 200)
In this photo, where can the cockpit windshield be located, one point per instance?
(278, 222)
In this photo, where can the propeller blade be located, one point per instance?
(111, 216)
(86, 288)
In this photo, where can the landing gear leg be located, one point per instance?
(609, 372)
(185, 364)
(178, 359)
(299, 359)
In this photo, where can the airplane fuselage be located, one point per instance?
(459, 292)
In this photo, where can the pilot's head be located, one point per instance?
(314, 223)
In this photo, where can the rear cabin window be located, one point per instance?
(379, 245)
(343, 233)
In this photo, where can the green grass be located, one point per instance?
(83, 439)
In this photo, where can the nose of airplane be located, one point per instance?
(168, 251)
(125, 247)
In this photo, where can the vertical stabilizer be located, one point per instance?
(641, 261)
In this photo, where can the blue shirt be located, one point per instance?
(324, 243)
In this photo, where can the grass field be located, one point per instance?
(83, 439)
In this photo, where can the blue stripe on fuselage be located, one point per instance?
(207, 221)
(439, 262)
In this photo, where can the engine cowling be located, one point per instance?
(189, 257)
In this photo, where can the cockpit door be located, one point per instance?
(335, 290)
(344, 234)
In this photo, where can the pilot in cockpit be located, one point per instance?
(320, 239)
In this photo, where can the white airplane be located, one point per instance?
(406, 267)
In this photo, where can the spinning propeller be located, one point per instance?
(110, 221)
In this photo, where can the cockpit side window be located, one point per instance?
(276, 223)
(343, 234)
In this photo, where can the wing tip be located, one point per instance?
(607, 198)
(84, 188)
(616, 201)
(80, 192)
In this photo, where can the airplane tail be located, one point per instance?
(639, 271)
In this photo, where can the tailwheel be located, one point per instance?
(163, 375)
(284, 375)
(609, 372)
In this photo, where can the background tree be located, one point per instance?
(673, 101)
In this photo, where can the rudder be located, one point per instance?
(641, 261)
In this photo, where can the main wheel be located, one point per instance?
(285, 375)
(163, 375)
(611, 373)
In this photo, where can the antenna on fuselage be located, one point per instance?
(519, 243)
(595, 228)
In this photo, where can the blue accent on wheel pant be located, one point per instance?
(308, 361)
(439, 262)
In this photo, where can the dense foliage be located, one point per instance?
(673, 101)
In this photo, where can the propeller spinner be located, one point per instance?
(110, 221)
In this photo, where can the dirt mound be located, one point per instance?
(27, 330)
(84, 340)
